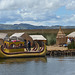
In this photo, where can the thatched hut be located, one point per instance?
(21, 36)
(39, 38)
(25, 37)
(71, 37)
(3, 36)
(61, 37)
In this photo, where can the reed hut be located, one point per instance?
(61, 37)
(26, 37)
(3, 36)
(71, 37)
(39, 38)
(22, 36)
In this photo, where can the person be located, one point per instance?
(72, 40)
(25, 43)
(29, 45)
(68, 41)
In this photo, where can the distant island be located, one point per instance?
(29, 26)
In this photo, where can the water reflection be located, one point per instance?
(22, 60)
(38, 66)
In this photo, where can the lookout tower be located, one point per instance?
(61, 37)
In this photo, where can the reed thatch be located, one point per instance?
(61, 37)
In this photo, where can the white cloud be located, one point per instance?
(28, 22)
(67, 20)
(6, 4)
(32, 10)
(31, 4)
(70, 4)
(36, 12)
(70, 19)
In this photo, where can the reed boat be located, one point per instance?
(17, 49)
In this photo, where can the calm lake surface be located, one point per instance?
(38, 66)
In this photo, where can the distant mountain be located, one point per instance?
(29, 26)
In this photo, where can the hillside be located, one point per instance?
(29, 26)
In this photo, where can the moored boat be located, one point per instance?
(17, 49)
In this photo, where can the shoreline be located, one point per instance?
(59, 51)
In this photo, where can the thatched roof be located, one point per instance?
(17, 35)
(71, 34)
(37, 37)
(3, 35)
(60, 34)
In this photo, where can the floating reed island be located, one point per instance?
(59, 51)
(65, 45)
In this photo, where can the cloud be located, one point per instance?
(31, 4)
(42, 12)
(70, 19)
(70, 4)
(66, 20)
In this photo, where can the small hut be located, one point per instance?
(71, 37)
(61, 37)
(3, 36)
(39, 38)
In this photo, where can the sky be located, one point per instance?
(38, 12)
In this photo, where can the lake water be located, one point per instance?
(38, 66)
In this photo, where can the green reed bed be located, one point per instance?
(51, 38)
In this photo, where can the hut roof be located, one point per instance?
(71, 34)
(60, 34)
(3, 35)
(17, 35)
(37, 37)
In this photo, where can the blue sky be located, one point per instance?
(62, 11)
(38, 12)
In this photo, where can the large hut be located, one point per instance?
(21, 36)
(61, 37)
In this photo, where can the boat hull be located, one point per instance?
(4, 54)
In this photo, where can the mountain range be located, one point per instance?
(29, 26)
